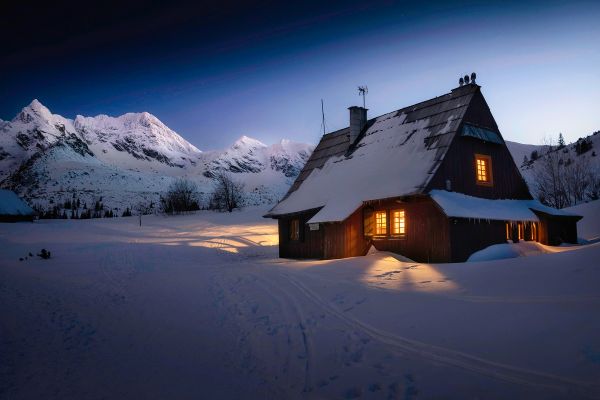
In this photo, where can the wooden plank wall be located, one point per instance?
(310, 244)
(557, 230)
(427, 234)
(469, 236)
(459, 167)
(459, 163)
(345, 239)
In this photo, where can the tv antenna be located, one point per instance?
(362, 91)
(323, 116)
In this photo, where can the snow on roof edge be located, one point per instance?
(460, 205)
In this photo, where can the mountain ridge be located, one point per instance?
(132, 157)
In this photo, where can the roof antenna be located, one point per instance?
(362, 91)
(323, 117)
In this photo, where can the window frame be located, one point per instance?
(487, 159)
(401, 223)
(294, 235)
(386, 223)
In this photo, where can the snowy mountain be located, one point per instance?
(49, 159)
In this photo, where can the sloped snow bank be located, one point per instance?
(511, 250)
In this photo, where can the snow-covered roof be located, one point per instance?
(11, 204)
(396, 155)
(463, 206)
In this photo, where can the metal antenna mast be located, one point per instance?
(362, 91)
(323, 116)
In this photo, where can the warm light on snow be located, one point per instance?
(386, 272)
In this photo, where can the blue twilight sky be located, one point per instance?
(216, 72)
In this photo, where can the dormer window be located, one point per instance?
(483, 170)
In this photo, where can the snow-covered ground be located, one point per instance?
(199, 306)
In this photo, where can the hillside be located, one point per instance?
(49, 159)
(576, 166)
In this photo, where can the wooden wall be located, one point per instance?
(469, 236)
(345, 239)
(310, 244)
(459, 163)
(555, 230)
(427, 234)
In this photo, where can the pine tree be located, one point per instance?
(561, 141)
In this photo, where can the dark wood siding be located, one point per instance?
(346, 239)
(427, 235)
(555, 230)
(310, 244)
(458, 165)
(469, 236)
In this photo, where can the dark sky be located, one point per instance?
(216, 71)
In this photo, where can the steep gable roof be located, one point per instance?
(395, 155)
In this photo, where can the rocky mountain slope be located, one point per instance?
(49, 159)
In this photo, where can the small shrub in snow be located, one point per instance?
(182, 196)
(227, 195)
(45, 254)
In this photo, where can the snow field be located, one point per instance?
(200, 306)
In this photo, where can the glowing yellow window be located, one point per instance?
(380, 223)
(520, 226)
(508, 235)
(398, 222)
(483, 169)
(533, 231)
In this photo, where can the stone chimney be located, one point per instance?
(358, 120)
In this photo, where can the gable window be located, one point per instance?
(380, 223)
(483, 169)
(398, 222)
(295, 229)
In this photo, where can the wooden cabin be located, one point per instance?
(434, 182)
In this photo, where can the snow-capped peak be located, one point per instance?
(33, 111)
(246, 142)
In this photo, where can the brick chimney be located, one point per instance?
(358, 120)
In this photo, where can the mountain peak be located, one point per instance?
(246, 142)
(38, 107)
(34, 110)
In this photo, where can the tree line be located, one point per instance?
(181, 196)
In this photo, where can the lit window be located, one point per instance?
(520, 226)
(483, 169)
(533, 231)
(508, 235)
(398, 222)
(294, 229)
(380, 223)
